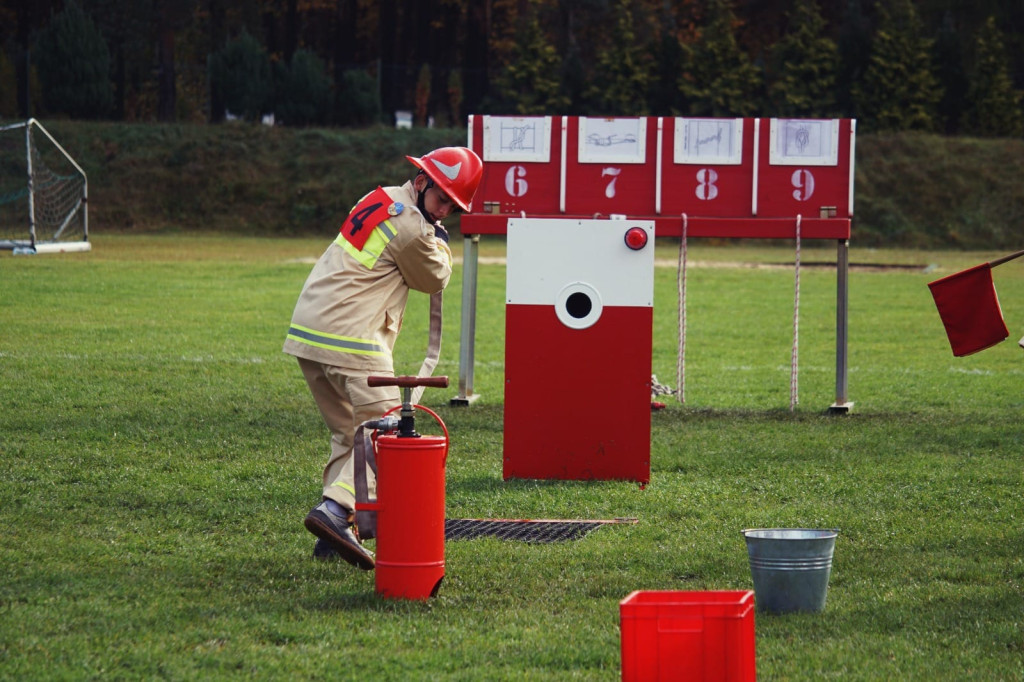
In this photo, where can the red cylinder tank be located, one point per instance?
(410, 515)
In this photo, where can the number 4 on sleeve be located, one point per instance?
(374, 209)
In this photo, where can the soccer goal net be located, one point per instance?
(43, 193)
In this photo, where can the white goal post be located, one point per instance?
(43, 193)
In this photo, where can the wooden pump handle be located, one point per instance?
(408, 381)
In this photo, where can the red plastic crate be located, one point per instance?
(694, 636)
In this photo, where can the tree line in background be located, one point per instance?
(931, 65)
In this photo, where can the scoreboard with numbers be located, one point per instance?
(730, 177)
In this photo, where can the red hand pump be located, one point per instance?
(410, 502)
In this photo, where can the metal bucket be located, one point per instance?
(790, 568)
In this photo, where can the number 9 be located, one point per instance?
(803, 181)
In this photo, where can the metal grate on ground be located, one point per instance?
(524, 530)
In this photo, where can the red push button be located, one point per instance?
(636, 238)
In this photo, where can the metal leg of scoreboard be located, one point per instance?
(842, 405)
(467, 335)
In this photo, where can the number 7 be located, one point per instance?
(609, 190)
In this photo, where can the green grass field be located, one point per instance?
(159, 453)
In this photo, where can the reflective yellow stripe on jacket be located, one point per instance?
(374, 246)
(342, 344)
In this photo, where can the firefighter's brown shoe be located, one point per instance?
(339, 534)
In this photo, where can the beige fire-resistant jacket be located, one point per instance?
(351, 306)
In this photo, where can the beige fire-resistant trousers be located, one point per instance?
(345, 402)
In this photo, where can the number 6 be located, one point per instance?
(515, 181)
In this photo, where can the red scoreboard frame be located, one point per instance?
(730, 177)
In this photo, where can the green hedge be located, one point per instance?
(912, 190)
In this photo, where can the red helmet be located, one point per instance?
(456, 170)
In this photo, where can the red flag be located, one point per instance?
(969, 309)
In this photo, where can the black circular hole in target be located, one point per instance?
(578, 305)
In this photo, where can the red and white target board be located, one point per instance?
(578, 325)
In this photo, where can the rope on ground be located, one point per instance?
(658, 388)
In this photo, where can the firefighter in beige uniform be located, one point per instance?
(350, 310)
